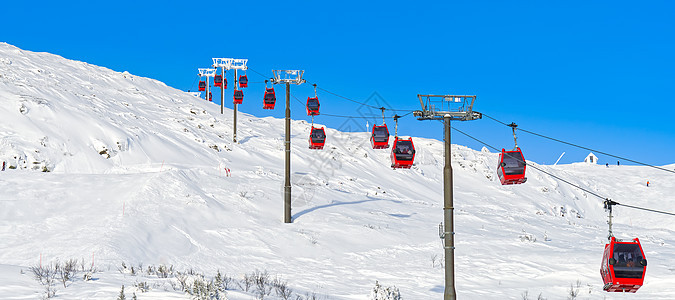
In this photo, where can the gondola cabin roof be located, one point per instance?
(511, 167)
(624, 266)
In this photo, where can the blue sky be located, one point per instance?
(595, 73)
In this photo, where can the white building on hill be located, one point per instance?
(591, 159)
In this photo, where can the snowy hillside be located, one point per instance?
(115, 168)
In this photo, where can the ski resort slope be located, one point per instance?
(136, 172)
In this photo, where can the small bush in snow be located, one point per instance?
(574, 291)
(282, 289)
(121, 295)
(246, 283)
(527, 237)
(67, 271)
(46, 275)
(142, 286)
(381, 293)
(164, 271)
(223, 281)
(262, 283)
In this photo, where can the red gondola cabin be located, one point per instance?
(210, 96)
(202, 86)
(312, 106)
(243, 81)
(238, 97)
(402, 153)
(623, 266)
(270, 99)
(218, 80)
(379, 139)
(511, 167)
(317, 138)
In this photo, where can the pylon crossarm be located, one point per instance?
(460, 107)
(206, 72)
(239, 64)
(222, 63)
(288, 76)
(230, 63)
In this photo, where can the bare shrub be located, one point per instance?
(142, 286)
(67, 271)
(246, 283)
(46, 276)
(282, 289)
(262, 283)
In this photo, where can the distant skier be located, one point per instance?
(3, 165)
(647, 183)
(607, 165)
(617, 162)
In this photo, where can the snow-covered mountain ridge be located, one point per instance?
(136, 172)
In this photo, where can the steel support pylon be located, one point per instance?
(287, 77)
(463, 113)
(448, 215)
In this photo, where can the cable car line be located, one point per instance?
(570, 183)
(646, 209)
(348, 116)
(193, 82)
(261, 74)
(364, 104)
(343, 97)
(532, 166)
(585, 148)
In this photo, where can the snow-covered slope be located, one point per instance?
(137, 173)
